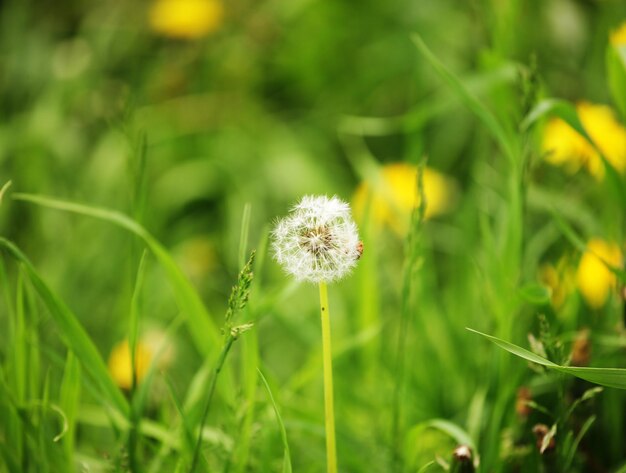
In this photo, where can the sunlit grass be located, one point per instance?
(141, 164)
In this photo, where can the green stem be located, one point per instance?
(218, 367)
(329, 413)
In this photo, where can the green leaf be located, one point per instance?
(535, 293)
(73, 334)
(203, 330)
(611, 377)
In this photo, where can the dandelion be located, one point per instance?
(593, 278)
(391, 204)
(186, 19)
(567, 148)
(319, 243)
(120, 365)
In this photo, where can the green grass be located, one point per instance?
(138, 172)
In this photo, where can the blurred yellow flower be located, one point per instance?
(197, 257)
(618, 37)
(393, 203)
(594, 280)
(560, 278)
(186, 19)
(120, 365)
(565, 147)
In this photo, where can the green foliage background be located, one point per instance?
(287, 99)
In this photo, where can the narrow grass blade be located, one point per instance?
(243, 237)
(581, 433)
(69, 400)
(616, 75)
(451, 429)
(426, 466)
(283, 431)
(41, 407)
(468, 99)
(203, 330)
(187, 436)
(611, 377)
(133, 329)
(19, 343)
(426, 110)
(4, 190)
(249, 381)
(73, 334)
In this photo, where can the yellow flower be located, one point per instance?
(392, 202)
(618, 37)
(120, 365)
(560, 280)
(565, 147)
(594, 280)
(186, 19)
(197, 257)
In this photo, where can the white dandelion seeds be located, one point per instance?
(318, 241)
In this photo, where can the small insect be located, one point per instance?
(359, 249)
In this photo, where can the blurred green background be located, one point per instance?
(180, 113)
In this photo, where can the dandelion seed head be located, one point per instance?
(318, 240)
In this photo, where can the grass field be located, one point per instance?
(147, 152)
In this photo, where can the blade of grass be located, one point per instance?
(611, 377)
(243, 237)
(133, 329)
(73, 334)
(426, 466)
(202, 328)
(186, 431)
(249, 362)
(42, 430)
(413, 249)
(4, 190)
(249, 373)
(69, 400)
(283, 432)
(19, 342)
(133, 336)
(581, 433)
(459, 435)
(470, 101)
(426, 110)
(615, 59)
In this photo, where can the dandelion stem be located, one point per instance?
(329, 413)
